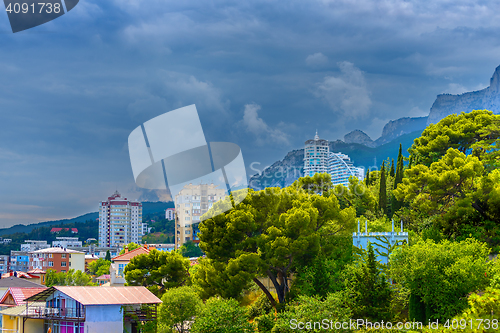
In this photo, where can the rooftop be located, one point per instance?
(20, 294)
(12, 281)
(101, 295)
(129, 255)
(56, 250)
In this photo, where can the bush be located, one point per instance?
(179, 306)
(222, 316)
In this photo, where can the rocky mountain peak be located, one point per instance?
(360, 137)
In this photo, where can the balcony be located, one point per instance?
(145, 313)
(43, 312)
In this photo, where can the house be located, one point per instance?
(83, 310)
(14, 281)
(58, 259)
(88, 259)
(40, 273)
(56, 230)
(15, 296)
(118, 264)
(103, 279)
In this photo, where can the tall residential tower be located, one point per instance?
(316, 156)
(120, 221)
(190, 204)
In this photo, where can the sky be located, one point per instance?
(263, 74)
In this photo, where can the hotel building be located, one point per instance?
(319, 159)
(190, 204)
(120, 222)
(341, 168)
(316, 156)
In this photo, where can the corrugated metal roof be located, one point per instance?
(103, 295)
(14, 310)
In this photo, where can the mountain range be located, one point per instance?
(147, 208)
(368, 153)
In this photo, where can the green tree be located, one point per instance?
(391, 170)
(382, 194)
(453, 188)
(267, 233)
(369, 288)
(130, 247)
(157, 270)
(108, 256)
(440, 276)
(189, 250)
(71, 278)
(99, 267)
(179, 306)
(398, 179)
(367, 177)
(476, 132)
(222, 316)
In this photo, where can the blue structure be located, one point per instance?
(383, 242)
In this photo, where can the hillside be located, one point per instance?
(147, 208)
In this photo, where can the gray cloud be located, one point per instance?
(263, 132)
(347, 92)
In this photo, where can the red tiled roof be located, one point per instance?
(104, 277)
(109, 295)
(131, 254)
(21, 275)
(20, 294)
(65, 229)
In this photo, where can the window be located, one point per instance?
(50, 255)
(51, 264)
(63, 264)
(63, 255)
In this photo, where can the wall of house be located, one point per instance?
(104, 318)
(8, 323)
(32, 326)
(77, 261)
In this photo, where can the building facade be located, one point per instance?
(120, 222)
(4, 264)
(316, 153)
(58, 259)
(19, 261)
(190, 204)
(33, 245)
(170, 214)
(67, 242)
(341, 168)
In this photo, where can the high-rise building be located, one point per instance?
(341, 168)
(190, 204)
(120, 222)
(170, 214)
(316, 156)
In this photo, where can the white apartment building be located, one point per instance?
(341, 168)
(4, 264)
(170, 214)
(67, 242)
(190, 204)
(316, 153)
(120, 222)
(34, 245)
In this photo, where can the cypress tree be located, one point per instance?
(382, 195)
(396, 204)
(108, 256)
(391, 171)
(367, 178)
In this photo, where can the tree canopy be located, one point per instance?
(267, 233)
(157, 270)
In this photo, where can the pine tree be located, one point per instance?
(382, 196)
(108, 256)
(398, 178)
(391, 171)
(367, 178)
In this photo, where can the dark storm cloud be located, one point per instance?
(263, 74)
